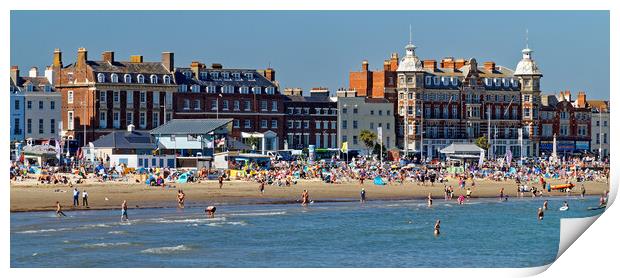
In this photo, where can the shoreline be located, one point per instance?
(32, 197)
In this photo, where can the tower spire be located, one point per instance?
(410, 36)
(527, 38)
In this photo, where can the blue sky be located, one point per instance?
(319, 48)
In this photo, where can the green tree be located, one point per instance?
(482, 142)
(368, 138)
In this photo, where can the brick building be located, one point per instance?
(250, 97)
(457, 101)
(570, 123)
(99, 96)
(311, 120)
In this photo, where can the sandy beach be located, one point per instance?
(29, 196)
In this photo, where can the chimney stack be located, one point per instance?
(167, 59)
(216, 66)
(270, 74)
(490, 66)
(108, 56)
(394, 62)
(82, 57)
(386, 65)
(15, 74)
(447, 63)
(581, 99)
(34, 72)
(459, 63)
(49, 74)
(365, 65)
(57, 58)
(136, 59)
(430, 64)
(195, 66)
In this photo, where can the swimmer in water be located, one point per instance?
(565, 205)
(429, 200)
(545, 205)
(541, 214)
(436, 232)
(59, 209)
(210, 211)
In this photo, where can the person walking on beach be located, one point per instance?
(85, 199)
(124, 216)
(501, 193)
(437, 226)
(541, 214)
(59, 210)
(363, 196)
(261, 187)
(468, 194)
(76, 197)
(221, 180)
(583, 191)
(305, 197)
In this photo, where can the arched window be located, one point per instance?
(166, 79)
(100, 77)
(153, 79)
(140, 78)
(114, 78)
(127, 78)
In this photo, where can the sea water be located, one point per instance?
(481, 233)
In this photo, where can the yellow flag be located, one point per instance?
(345, 147)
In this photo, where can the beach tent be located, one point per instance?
(183, 178)
(379, 181)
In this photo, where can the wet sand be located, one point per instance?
(29, 196)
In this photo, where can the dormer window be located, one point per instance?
(427, 80)
(271, 90)
(236, 75)
(444, 80)
(204, 75)
(455, 81)
(47, 88)
(215, 75)
(211, 89)
(515, 83)
(114, 78)
(497, 82)
(183, 88)
(225, 75)
(153, 79)
(506, 82)
(249, 76)
(257, 90)
(100, 78)
(127, 78)
(30, 88)
(487, 82)
(166, 79)
(435, 80)
(187, 74)
(244, 90)
(140, 78)
(228, 89)
(196, 88)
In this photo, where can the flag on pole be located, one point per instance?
(380, 134)
(220, 142)
(345, 147)
(57, 149)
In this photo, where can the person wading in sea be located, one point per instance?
(59, 209)
(363, 196)
(305, 196)
(437, 224)
(541, 214)
(124, 216)
(221, 180)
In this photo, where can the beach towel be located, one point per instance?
(379, 181)
(183, 178)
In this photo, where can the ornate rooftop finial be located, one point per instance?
(410, 62)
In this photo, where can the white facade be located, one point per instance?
(357, 114)
(600, 134)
